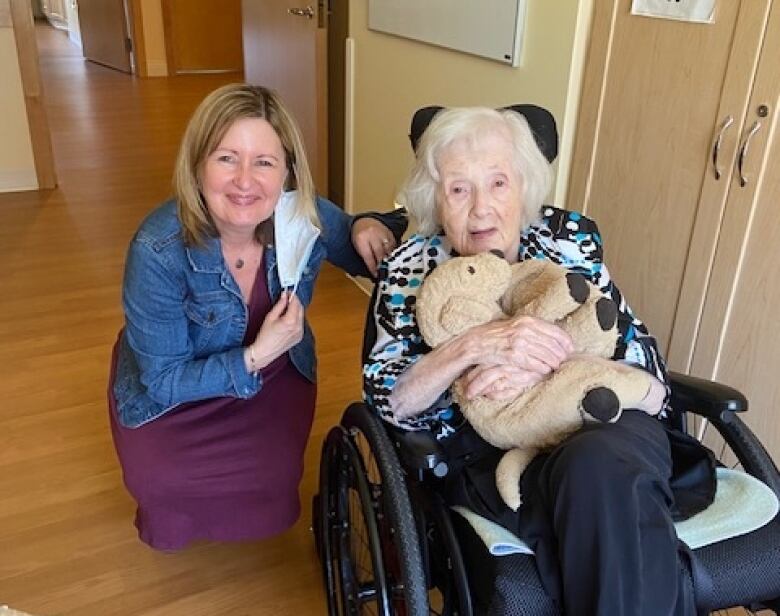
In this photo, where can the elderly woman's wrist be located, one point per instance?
(654, 398)
(468, 349)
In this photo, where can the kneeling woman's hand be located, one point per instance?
(281, 330)
(373, 242)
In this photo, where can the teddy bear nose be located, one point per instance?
(498, 253)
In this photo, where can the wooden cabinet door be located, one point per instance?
(739, 338)
(651, 102)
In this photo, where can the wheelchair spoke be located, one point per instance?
(359, 547)
(367, 593)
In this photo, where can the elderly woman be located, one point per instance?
(213, 380)
(597, 508)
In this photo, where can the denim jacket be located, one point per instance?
(185, 318)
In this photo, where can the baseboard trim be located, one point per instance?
(363, 284)
(18, 180)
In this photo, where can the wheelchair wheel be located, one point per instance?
(369, 545)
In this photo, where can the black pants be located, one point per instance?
(597, 512)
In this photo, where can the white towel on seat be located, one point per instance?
(742, 504)
(499, 541)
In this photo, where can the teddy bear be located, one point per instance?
(588, 387)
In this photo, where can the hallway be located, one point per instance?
(67, 543)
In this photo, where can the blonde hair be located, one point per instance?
(418, 193)
(208, 125)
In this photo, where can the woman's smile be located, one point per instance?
(242, 200)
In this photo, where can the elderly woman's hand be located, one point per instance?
(498, 382)
(373, 241)
(520, 351)
(524, 342)
(526, 350)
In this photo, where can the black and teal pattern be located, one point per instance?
(566, 238)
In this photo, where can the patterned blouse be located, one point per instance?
(567, 238)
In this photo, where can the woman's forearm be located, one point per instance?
(422, 384)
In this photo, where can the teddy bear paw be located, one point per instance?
(600, 404)
(578, 287)
(606, 313)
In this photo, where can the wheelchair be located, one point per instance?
(389, 544)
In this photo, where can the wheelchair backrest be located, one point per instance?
(540, 121)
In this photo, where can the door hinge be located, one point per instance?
(129, 45)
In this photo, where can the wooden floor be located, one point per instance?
(67, 543)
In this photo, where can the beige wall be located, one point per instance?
(154, 38)
(17, 166)
(394, 76)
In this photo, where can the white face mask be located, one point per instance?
(294, 238)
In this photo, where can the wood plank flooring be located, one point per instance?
(67, 543)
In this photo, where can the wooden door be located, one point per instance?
(285, 48)
(739, 339)
(650, 105)
(203, 36)
(104, 37)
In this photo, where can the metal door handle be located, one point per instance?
(308, 12)
(743, 152)
(716, 145)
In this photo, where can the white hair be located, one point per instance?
(472, 124)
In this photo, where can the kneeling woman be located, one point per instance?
(597, 509)
(213, 379)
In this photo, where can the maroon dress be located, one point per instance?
(223, 469)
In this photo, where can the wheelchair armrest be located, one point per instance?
(719, 404)
(748, 449)
(420, 451)
(703, 397)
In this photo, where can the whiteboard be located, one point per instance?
(488, 28)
